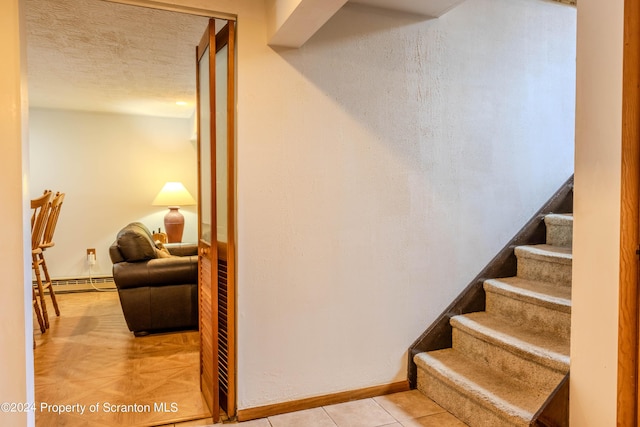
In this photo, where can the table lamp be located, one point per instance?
(173, 195)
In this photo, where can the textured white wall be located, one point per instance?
(111, 167)
(596, 241)
(379, 168)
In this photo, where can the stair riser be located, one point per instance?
(541, 319)
(516, 366)
(560, 235)
(464, 408)
(544, 271)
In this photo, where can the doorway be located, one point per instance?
(200, 12)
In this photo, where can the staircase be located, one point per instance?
(506, 361)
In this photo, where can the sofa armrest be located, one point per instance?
(182, 249)
(156, 272)
(114, 253)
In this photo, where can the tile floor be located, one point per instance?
(406, 409)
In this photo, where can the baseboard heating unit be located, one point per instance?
(80, 284)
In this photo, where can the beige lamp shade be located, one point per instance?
(173, 195)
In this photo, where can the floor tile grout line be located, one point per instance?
(335, 423)
(385, 410)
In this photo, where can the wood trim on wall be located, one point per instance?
(315, 402)
(171, 7)
(627, 390)
(231, 221)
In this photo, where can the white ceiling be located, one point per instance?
(100, 56)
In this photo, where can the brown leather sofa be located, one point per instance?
(158, 290)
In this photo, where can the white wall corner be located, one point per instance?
(290, 23)
(193, 127)
(16, 372)
(428, 8)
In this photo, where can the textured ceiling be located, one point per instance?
(99, 56)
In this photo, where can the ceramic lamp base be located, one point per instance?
(174, 225)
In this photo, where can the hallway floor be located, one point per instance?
(406, 409)
(89, 357)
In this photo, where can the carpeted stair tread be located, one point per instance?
(544, 252)
(540, 293)
(488, 388)
(545, 349)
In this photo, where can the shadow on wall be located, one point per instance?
(462, 92)
(433, 128)
(362, 48)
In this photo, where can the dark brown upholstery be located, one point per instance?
(135, 243)
(155, 293)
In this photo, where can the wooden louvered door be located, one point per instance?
(216, 212)
(225, 332)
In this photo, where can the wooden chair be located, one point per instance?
(40, 211)
(160, 237)
(47, 242)
(36, 308)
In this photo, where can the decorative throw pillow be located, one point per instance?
(161, 251)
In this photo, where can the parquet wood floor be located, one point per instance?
(89, 357)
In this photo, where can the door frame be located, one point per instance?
(628, 314)
(228, 252)
(199, 11)
(231, 126)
